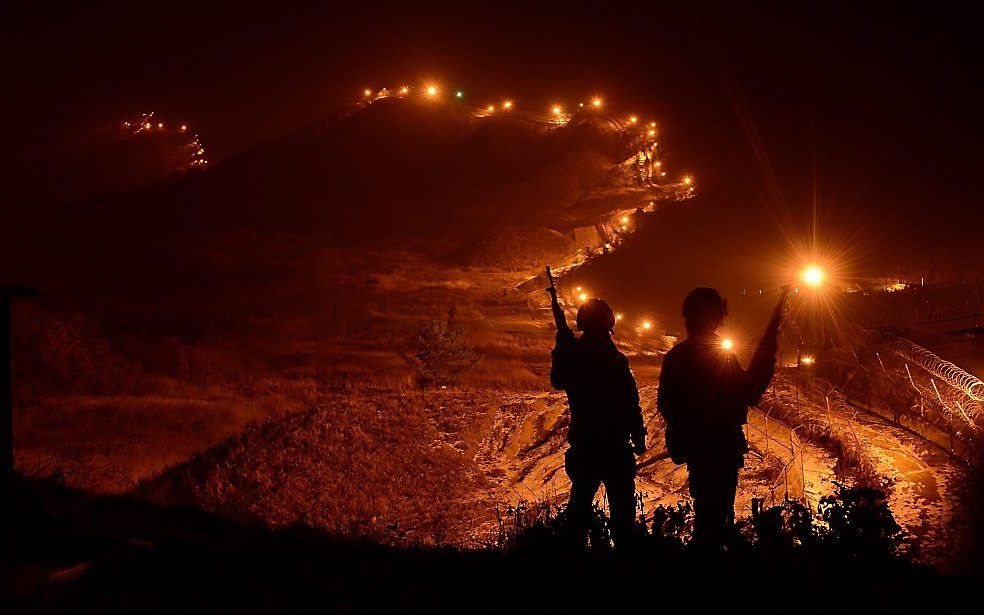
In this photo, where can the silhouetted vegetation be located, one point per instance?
(75, 552)
(443, 354)
(851, 523)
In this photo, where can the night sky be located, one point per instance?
(868, 121)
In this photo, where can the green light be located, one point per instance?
(459, 94)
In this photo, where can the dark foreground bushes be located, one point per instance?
(851, 523)
(70, 551)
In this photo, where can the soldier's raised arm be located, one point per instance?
(562, 355)
(763, 365)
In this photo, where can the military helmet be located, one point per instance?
(595, 315)
(704, 307)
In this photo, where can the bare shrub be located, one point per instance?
(443, 354)
(68, 354)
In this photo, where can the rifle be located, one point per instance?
(775, 320)
(768, 343)
(558, 313)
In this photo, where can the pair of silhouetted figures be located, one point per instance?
(704, 395)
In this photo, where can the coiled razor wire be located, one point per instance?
(970, 385)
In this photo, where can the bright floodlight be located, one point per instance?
(507, 104)
(652, 133)
(459, 94)
(583, 296)
(813, 275)
(619, 316)
(367, 92)
(490, 108)
(688, 180)
(404, 90)
(727, 344)
(184, 127)
(625, 219)
(596, 102)
(647, 325)
(633, 119)
(431, 90)
(806, 360)
(556, 110)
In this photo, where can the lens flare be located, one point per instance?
(432, 90)
(727, 344)
(813, 275)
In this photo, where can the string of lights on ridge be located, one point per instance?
(147, 123)
(812, 276)
(555, 111)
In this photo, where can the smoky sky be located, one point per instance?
(840, 117)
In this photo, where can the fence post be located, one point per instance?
(949, 422)
(766, 434)
(792, 452)
(806, 499)
(7, 293)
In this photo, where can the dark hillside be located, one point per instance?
(396, 168)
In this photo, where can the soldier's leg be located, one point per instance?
(620, 487)
(701, 492)
(714, 505)
(584, 485)
(729, 488)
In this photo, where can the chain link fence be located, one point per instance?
(775, 440)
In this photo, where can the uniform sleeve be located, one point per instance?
(667, 395)
(630, 392)
(562, 361)
(760, 370)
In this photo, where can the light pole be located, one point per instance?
(814, 277)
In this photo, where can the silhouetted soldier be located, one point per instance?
(605, 417)
(704, 395)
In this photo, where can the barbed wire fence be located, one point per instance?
(908, 385)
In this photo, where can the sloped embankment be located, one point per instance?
(392, 467)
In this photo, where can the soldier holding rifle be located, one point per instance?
(606, 425)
